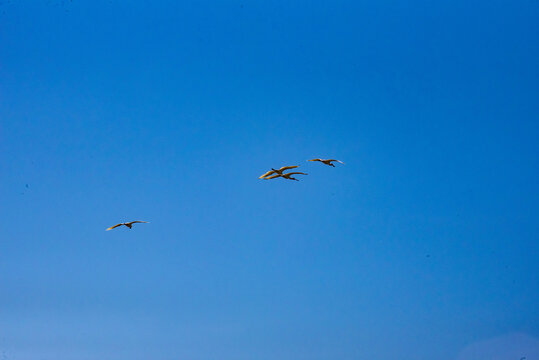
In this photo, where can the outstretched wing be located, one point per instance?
(137, 221)
(315, 160)
(272, 177)
(288, 167)
(339, 161)
(295, 173)
(267, 174)
(112, 227)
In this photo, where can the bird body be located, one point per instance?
(277, 171)
(327, 161)
(128, 224)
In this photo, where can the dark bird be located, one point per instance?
(128, 224)
(278, 171)
(286, 176)
(327, 161)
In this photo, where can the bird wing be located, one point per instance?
(294, 173)
(272, 177)
(112, 227)
(315, 160)
(330, 160)
(288, 167)
(267, 174)
(137, 221)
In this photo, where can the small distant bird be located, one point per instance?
(128, 224)
(327, 161)
(286, 176)
(278, 171)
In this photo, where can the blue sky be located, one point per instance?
(424, 245)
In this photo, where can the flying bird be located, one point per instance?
(286, 176)
(278, 171)
(128, 224)
(327, 161)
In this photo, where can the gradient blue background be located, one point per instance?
(422, 245)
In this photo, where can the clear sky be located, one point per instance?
(424, 245)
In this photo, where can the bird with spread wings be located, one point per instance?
(277, 171)
(327, 161)
(128, 224)
(286, 176)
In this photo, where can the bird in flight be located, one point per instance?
(327, 161)
(286, 176)
(277, 171)
(128, 224)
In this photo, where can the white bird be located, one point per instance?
(278, 171)
(128, 224)
(286, 176)
(327, 161)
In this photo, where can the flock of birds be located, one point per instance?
(275, 173)
(272, 174)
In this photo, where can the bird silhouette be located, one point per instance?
(286, 176)
(278, 171)
(327, 161)
(128, 224)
